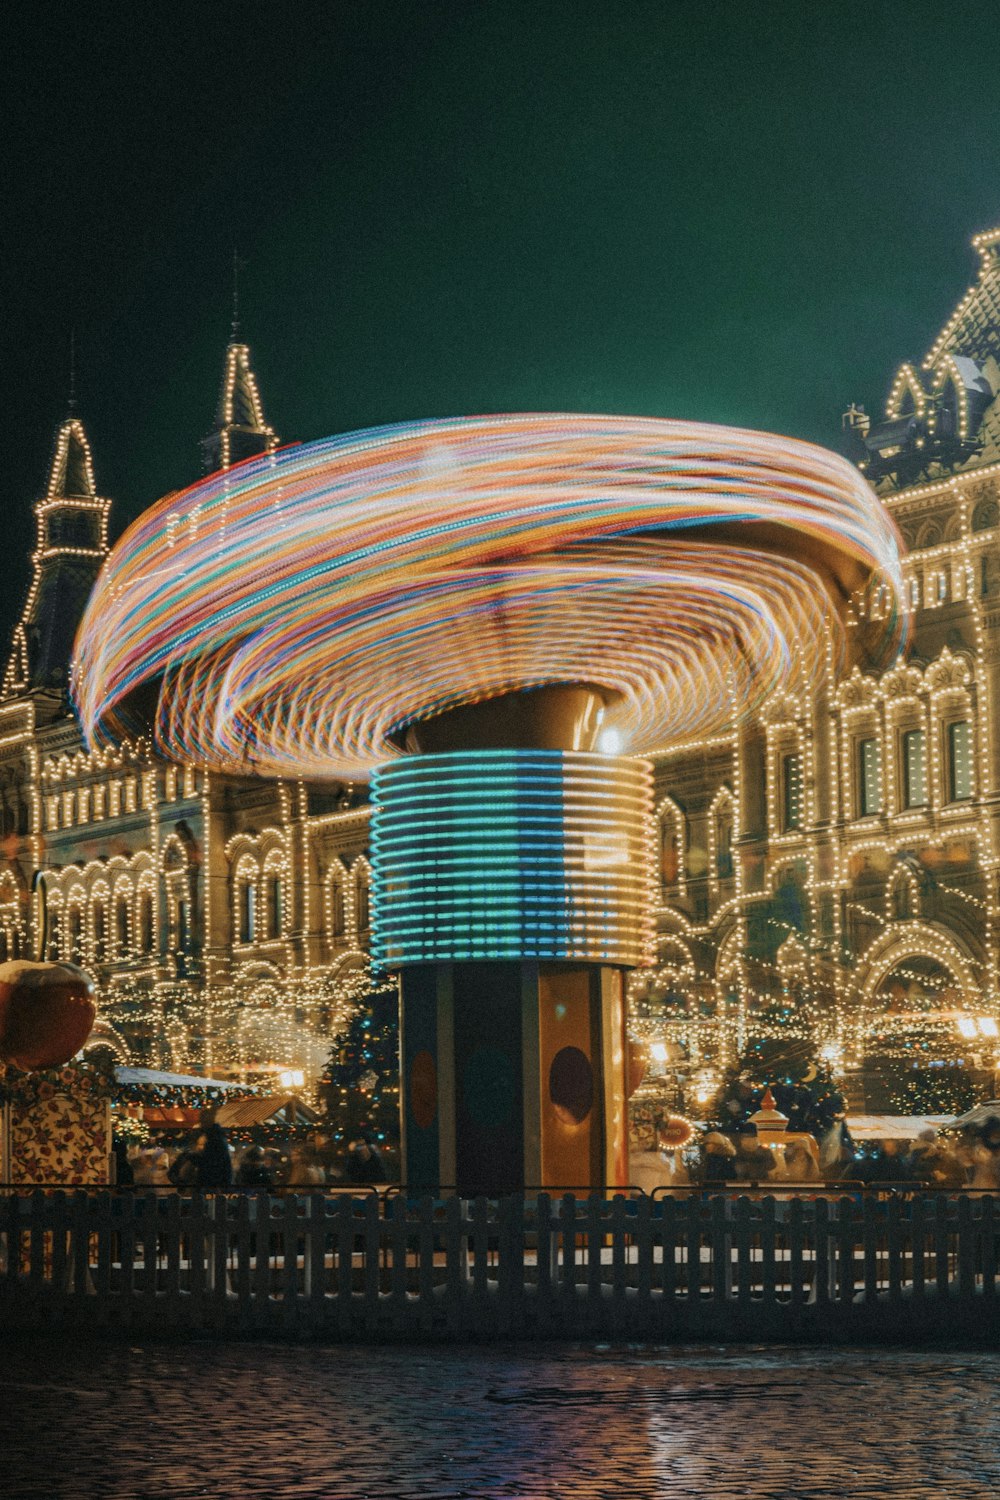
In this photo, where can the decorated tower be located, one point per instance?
(71, 543)
(240, 429)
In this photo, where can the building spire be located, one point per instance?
(238, 266)
(71, 472)
(71, 403)
(241, 430)
(71, 543)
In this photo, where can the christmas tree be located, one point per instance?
(360, 1083)
(802, 1088)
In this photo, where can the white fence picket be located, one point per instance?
(361, 1266)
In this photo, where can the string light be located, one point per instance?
(824, 982)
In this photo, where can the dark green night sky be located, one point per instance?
(743, 212)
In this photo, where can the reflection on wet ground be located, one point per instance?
(277, 1420)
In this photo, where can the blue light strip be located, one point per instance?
(512, 854)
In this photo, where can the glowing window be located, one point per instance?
(361, 909)
(146, 922)
(275, 906)
(121, 927)
(247, 911)
(76, 935)
(791, 790)
(869, 778)
(100, 934)
(338, 912)
(914, 769)
(959, 761)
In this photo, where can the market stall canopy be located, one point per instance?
(137, 1077)
(894, 1127)
(175, 1101)
(980, 1117)
(278, 1109)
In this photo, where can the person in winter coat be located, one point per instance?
(754, 1162)
(364, 1161)
(151, 1168)
(123, 1167)
(213, 1163)
(253, 1170)
(183, 1172)
(718, 1163)
(305, 1169)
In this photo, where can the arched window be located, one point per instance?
(914, 768)
(54, 952)
(337, 907)
(672, 845)
(361, 899)
(182, 935)
(145, 922)
(275, 904)
(246, 905)
(76, 935)
(722, 835)
(986, 515)
(100, 933)
(121, 927)
(904, 895)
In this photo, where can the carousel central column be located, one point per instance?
(513, 889)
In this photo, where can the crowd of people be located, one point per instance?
(209, 1161)
(940, 1161)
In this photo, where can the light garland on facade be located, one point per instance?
(860, 873)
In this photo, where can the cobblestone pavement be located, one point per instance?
(171, 1422)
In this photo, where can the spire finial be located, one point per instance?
(71, 403)
(238, 266)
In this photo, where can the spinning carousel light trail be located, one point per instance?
(300, 610)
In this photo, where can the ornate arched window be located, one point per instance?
(986, 515)
(245, 890)
(75, 933)
(904, 901)
(99, 917)
(673, 845)
(336, 903)
(54, 948)
(721, 836)
(362, 914)
(145, 926)
(274, 894)
(122, 905)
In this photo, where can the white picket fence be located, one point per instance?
(357, 1266)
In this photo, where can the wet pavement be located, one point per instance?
(101, 1421)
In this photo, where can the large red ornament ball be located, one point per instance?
(46, 1013)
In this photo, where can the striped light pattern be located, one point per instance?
(298, 611)
(513, 854)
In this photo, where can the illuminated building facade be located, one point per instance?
(192, 898)
(829, 869)
(462, 611)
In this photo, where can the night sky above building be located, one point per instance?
(742, 213)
